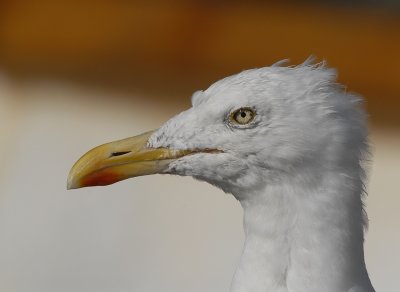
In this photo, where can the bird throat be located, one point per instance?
(303, 239)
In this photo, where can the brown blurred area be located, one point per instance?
(177, 47)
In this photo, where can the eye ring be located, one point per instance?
(242, 116)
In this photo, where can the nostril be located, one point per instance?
(119, 153)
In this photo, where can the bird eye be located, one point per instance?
(242, 116)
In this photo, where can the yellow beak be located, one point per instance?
(119, 160)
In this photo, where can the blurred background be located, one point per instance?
(75, 74)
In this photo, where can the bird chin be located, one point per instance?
(210, 168)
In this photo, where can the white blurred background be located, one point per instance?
(63, 91)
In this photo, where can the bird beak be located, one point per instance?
(119, 160)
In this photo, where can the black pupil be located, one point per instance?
(243, 114)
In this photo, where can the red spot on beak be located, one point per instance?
(101, 178)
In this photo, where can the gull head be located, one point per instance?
(245, 131)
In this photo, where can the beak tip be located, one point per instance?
(71, 184)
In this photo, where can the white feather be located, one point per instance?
(297, 170)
